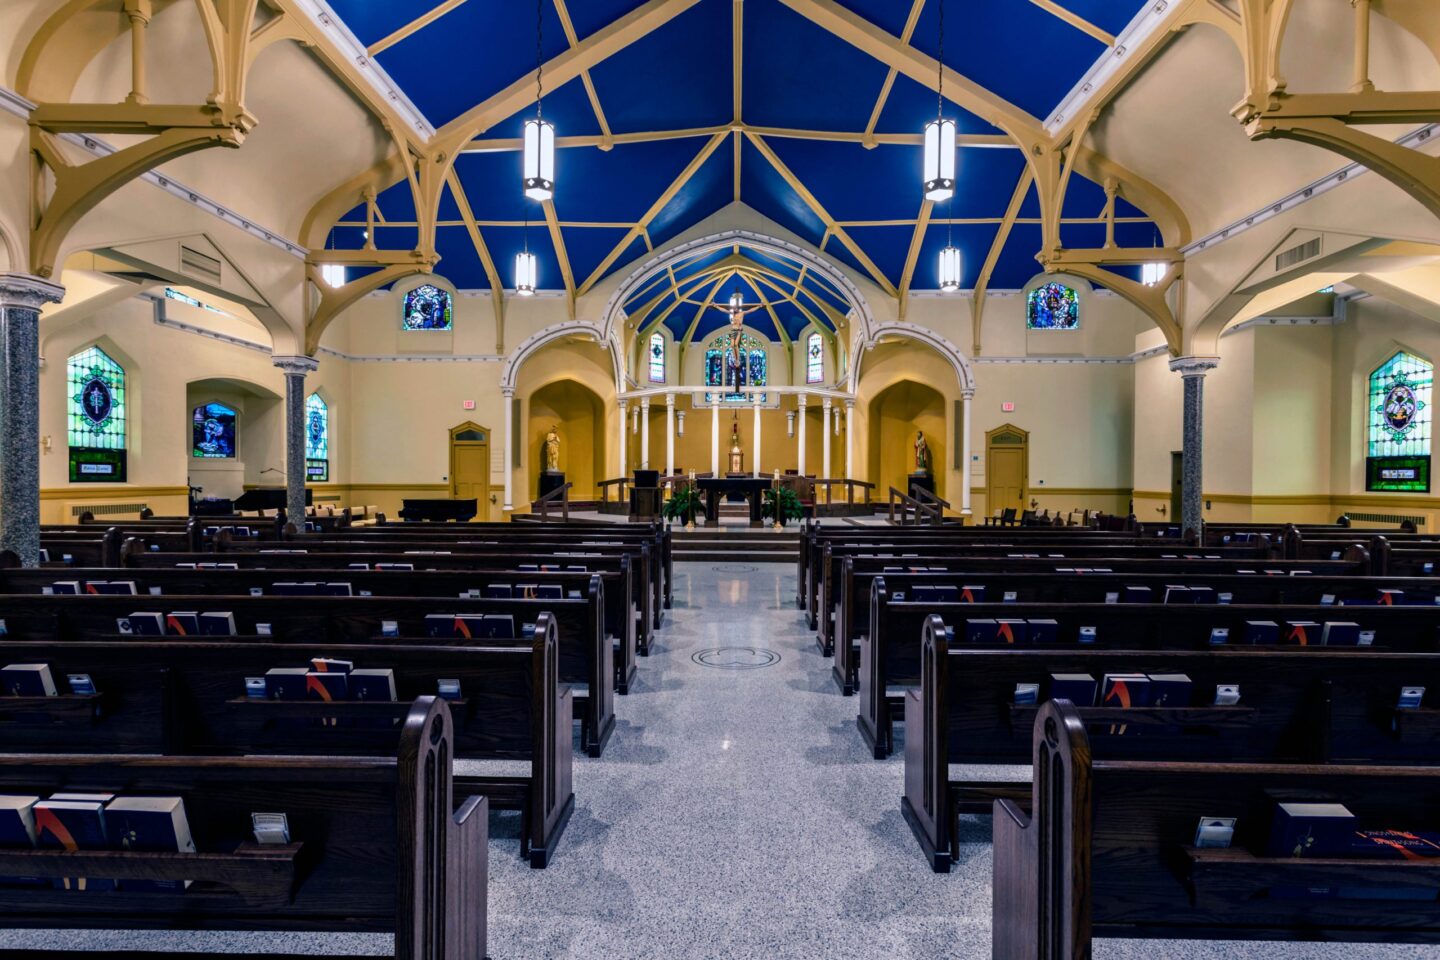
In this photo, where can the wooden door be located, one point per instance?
(470, 467)
(1007, 456)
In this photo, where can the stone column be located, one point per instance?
(825, 436)
(509, 413)
(849, 439)
(1193, 370)
(715, 437)
(295, 369)
(755, 442)
(21, 297)
(966, 458)
(800, 432)
(644, 433)
(624, 437)
(669, 434)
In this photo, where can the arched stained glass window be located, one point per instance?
(213, 432)
(1398, 444)
(727, 366)
(657, 358)
(95, 407)
(1052, 306)
(317, 438)
(814, 359)
(427, 307)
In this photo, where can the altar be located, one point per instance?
(752, 488)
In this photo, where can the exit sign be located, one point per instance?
(468, 404)
(1007, 407)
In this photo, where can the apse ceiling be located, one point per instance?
(683, 121)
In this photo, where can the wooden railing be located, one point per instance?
(560, 495)
(923, 512)
(927, 497)
(621, 484)
(849, 485)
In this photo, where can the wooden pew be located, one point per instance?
(586, 655)
(1318, 706)
(1108, 852)
(185, 696)
(620, 614)
(890, 657)
(377, 844)
(852, 616)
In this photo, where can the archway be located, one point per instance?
(578, 416)
(895, 414)
(254, 435)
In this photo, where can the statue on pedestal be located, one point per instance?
(552, 451)
(922, 453)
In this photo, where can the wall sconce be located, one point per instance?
(679, 423)
(1161, 509)
(45, 443)
(790, 424)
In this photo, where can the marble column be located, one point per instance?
(1193, 370)
(715, 438)
(800, 432)
(755, 442)
(21, 297)
(849, 439)
(669, 434)
(509, 412)
(644, 433)
(295, 369)
(966, 458)
(624, 437)
(825, 435)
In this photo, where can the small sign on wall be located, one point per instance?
(468, 404)
(1007, 407)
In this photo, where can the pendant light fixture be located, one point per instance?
(949, 269)
(539, 138)
(525, 272)
(940, 136)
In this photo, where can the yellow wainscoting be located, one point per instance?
(59, 504)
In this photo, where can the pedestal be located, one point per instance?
(551, 480)
(925, 481)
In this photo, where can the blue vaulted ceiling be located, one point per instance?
(795, 76)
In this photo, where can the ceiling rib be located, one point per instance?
(905, 36)
(1076, 21)
(420, 22)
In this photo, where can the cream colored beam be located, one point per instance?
(606, 138)
(737, 56)
(1152, 301)
(917, 240)
(780, 333)
(815, 206)
(769, 281)
(690, 285)
(695, 322)
(334, 300)
(1075, 20)
(558, 241)
(660, 203)
(492, 275)
(987, 270)
(424, 20)
(735, 159)
(515, 145)
(905, 34)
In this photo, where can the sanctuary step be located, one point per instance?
(735, 543)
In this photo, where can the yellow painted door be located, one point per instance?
(1007, 478)
(471, 479)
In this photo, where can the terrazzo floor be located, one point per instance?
(735, 814)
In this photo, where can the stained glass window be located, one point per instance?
(1052, 306)
(1398, 446)
(212, 432)
(722, 369)
(657, 358)
(427, 307)
(96, 411)
(814, 359)
(317, 438)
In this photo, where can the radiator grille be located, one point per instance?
(1394, 518)
(106, 509)
(1289, 258)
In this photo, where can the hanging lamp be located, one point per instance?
(526, 273)
(940, 136)
(539, 135)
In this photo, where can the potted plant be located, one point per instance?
(682, 506)
(781, 504)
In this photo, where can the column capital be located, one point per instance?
(1194, 366)
(508, 393)
(30, 292)
(624, 404)
(802, 400)
(827, 402)
(849, 405)
(755, 399)
(296, 365)
(669, 399)
(645, 403)
(966, 395)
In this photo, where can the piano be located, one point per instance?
(461, 511)
(266, 498)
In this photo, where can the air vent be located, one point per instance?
(1306, 250)
(1394, 518)
(199, 264)
(106, 509)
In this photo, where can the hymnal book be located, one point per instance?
(1027, 693)
(497, 591)
(533, 567)
(112, 588)
(80, 684)
(447, 688)
(327, 686)
(468, 625)
(979, 631)
(372, 684)
(270, 828)
(331, 665)
(1201, 594)
(498, 626)
(1340, 634)
(1010, 631)
(1125, 690)
(1215, 832)
(286, 683)
(17, 830)
(147, 624)
(336, 590)
(1367, 638)
(1169, 690)
(1390, 598)
(357, 566)
(389, 628)
(1010, 596)
(577, 569)
(1078, 688)
(1219, 636)
(440, 625)
(1310, 830)
(1138, 595)
(1224, 599)
(1410, 698)
(291, 588)
(972, 593)
(218, 624)
(79, 824)
(527, 631)
(549, 567)
(1327, 599)
(551, 591)
(255, 688)
(1043, 631)
(1178, 594)
(1386, 844)
(1262, 632)
(1302, 633)
(262, 630)
(526, 591)
(65, 587)
(27, 680)
(394, 566)
(153, 824)
(182, 623)
(1227, 694)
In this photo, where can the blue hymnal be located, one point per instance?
(155, 824)
(27, 680)
(219, 624)
(1137, 595)
(1310, 830)
(1178, 594)
(1043, 631)
(147, 624)
(1340, 634)
(372, 684)
(497, 591)
(440, 625)
(77, 824)
(286, 683)
(499, 626)
(1263, 632)
(1169, 690)
(1078, 688)
(551, 591)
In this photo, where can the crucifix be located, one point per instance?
(736, 311)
